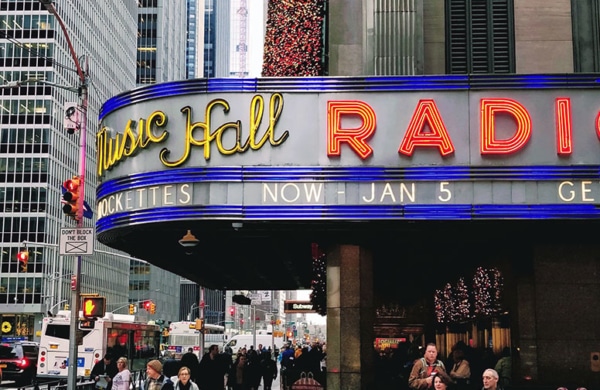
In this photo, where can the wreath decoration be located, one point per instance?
(6, 327)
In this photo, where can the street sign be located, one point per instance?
(265, 295)
(255, 299)
(76, 241)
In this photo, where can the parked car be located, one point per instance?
(18, 361)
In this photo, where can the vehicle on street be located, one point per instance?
(187, 334)
(117, 334)
(246, 340)
(18, 361)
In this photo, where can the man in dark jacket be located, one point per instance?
(212, 369)
(190, 360)
(105, 369)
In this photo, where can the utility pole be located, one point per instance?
(76, 277)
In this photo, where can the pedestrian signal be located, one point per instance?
(23, 257)
(71, 190)
(93, 307)
(131, 308)
(199, 324)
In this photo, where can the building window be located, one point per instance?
(480, 36)
(586, 35)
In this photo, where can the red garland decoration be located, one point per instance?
(294, 38)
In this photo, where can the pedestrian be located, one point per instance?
(155, 380)
(490, 380)
(268, 369)
(212, 370)
(190, 360)
(183, 381)
(441, 382)
(504, 368)
(425, 369)
(103, 372)
(237, 378)
(123, 378)
(461, 369)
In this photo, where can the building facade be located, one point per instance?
(37, 154)
(499, 122)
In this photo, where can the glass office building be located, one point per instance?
(39, 79)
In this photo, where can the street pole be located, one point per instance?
(76, 278)
(201, 316)
(254, 327)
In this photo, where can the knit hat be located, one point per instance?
(155, 365)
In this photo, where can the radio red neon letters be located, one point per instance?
(427, 114)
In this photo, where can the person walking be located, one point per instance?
(190, 360)
(212, 370)
(441, 382)
(425, 369)
(490, 380)
(268, 369)
(103, 372)
(155, 380)
(183, 381)
(461, 369)
(123, 377)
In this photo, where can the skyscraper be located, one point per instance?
(37, 155)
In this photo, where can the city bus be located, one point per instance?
(185, 334)
(117, 334)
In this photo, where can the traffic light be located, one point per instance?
(147, 305)
(232, 311)
(152, 307)
(131, 308)
(70, 196)
(93, 307)
(23, 257)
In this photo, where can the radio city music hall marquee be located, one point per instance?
(382, 150)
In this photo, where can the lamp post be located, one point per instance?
(76, 278)
(192, 309)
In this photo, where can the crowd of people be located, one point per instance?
(404, 367)
(411, 367)
(249, 369)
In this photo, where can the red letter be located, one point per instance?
(354, 137)
(438, 136)
(598, 125)
(488, 143)
(564, 137)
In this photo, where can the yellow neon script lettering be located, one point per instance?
(208, 136)
(139, 135)
(135, 137)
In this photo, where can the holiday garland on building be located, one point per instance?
(318, 296)
(453, 304)
(294, 38)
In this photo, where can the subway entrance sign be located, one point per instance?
(298, 307)
(76, 241)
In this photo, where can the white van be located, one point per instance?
(246, 340)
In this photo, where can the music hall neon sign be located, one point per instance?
(426, 129)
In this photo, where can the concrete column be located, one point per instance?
(350, 315)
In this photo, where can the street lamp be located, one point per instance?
(82, 90)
